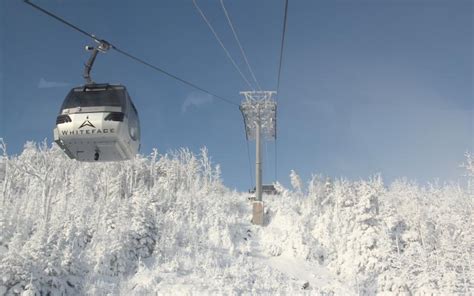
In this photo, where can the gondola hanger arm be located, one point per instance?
(103, 46)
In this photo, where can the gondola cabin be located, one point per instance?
(98, 122)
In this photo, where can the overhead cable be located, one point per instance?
(240, 45)
(282, 45)
(221, 44)
(127, 54)
(279, 78)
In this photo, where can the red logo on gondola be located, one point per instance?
(87, 123)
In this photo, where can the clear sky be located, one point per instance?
(368, 86)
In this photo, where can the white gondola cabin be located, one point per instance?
(98, 122)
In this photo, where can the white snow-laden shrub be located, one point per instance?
(296, 182)
(400, 239)
(165, 224)
(70, 228)
(469, 164)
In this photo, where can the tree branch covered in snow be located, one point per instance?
(66, 225)
(165, 223)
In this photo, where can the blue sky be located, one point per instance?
(369, 86)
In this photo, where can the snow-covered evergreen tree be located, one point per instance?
(153, 223)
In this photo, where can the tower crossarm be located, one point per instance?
(259, 107)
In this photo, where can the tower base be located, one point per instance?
(257, 214)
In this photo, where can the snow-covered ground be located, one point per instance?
(245, 266)
(240, 262)
(165, 224)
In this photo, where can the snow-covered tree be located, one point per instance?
(296, 182)
(69, 228)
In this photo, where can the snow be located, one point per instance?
(313, 274)
(165, 224)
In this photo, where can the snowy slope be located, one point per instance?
(234, 261)
(165, 224)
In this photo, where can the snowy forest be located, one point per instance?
(165, 223)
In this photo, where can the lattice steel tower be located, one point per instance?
(259, 112)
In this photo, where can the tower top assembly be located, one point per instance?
(259, 108)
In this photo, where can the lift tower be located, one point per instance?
(259, 112)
